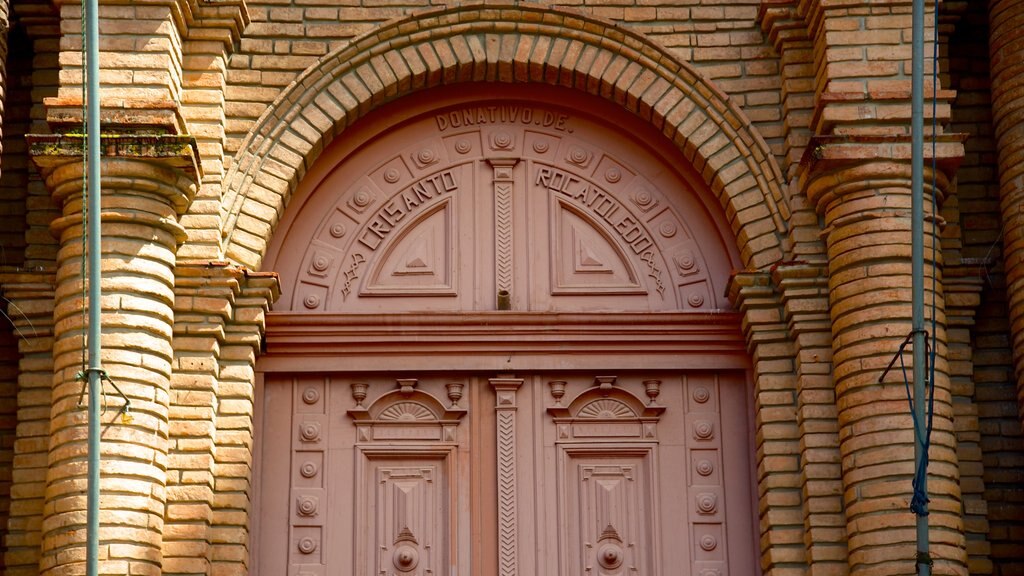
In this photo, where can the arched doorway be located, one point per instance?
(502, 346)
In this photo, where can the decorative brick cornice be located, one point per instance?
(220, 20)
(224, 300)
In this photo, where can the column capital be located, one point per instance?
(833, 166)
(145, 179)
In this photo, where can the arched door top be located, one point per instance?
(506, 44)
(524, 198)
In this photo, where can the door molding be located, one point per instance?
(502, 341)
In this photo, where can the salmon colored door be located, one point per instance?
(503, 348)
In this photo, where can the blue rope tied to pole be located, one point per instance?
(922, 430)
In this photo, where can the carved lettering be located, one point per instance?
(600, 203)
(505, 114)
(383, 222)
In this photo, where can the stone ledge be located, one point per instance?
(176, 151)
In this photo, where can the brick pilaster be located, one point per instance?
(963, 296)
(803, 290)
(149, 71)
(146, 184)
(30, 307)
(787, 31)
(1006, 45)
(219, 323)
(862, 188)
(777, 435)
(235, 426)
(210, 42)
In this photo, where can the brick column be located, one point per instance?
(1006, 45)
(145, 190)
(863, 191)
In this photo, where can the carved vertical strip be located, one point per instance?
(505, 388)
(503, 182)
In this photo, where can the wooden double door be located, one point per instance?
(549, 473)
(503, 347)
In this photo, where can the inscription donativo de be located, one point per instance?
(504, 114)
(405, 203)
(598, 202)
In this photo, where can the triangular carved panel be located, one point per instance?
(420, 260)
(586, 259)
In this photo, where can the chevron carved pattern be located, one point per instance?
(503, 182)
(508, 538)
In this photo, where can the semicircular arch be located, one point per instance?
(505, 44)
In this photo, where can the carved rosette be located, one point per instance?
(705, 489)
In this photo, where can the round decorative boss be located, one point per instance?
(643, 197)
(609, 556)
(502, 140)
(613, 175)
(540, 147)
(311, 301)
(463, 147)
(308, 469)
(685, 260)
(577, 155)
(391, 175)
(320, 263)
(338, 230)
(406, 558)
(667, 229)
(426, 156)
(310, 431)
(708, 542)
(705, 467)
(703, 430)
(310, 395)
(307, 507)
(696, 300)
(701, 394)
(307, 545)
(707, 503)
(362, 198)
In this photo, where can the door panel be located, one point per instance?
(555, 473)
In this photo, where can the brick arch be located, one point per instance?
(495, 43)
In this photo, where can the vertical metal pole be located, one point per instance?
(95, 369)
(917, 263)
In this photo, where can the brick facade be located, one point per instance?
(794, 113)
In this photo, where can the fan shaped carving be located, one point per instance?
(419, 259)
(606, 409)
(407, 411)
(587, 258)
